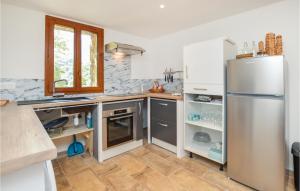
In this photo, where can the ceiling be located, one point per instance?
(143, 18)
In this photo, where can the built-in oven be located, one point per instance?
(118, 126)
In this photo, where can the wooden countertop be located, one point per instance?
(165, 96)
(24, 140)
(108, 99)
(156, 95)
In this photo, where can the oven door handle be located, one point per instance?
(122, 117)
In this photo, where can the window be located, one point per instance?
(74, 54)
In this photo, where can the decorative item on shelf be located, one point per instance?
(261, 48)
(244, 56)
(169, 75)
(246, 52)
(278, 45)
(270, 44)
(157, 88)
(3, 102)
(202, 137)
(254, 49)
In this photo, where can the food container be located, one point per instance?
(53, 132)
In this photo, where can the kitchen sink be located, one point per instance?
(53, 100)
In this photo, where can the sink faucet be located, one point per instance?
(53, 88)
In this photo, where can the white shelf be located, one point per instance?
(201, 149)
(216, 131)
(73, 131)
(204, 125)
(206, 103)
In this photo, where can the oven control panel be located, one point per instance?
(120, 111)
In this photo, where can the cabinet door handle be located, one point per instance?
(163, 124)
(201, 89)
(163, 104)
(186, 72)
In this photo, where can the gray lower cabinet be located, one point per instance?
(163, 120)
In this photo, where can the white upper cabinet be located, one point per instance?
(204, 65)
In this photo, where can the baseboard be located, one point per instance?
(164, 145)
(121, 149)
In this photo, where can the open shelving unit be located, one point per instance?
(216, 131)
(72, 131)
(218, 103)
(205, 125)
(88, 135)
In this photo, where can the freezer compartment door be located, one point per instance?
(256, 141)
(263, 75)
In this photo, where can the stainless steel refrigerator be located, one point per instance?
(256, 122)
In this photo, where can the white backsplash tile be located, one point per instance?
(117, 80)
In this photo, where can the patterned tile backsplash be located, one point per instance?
(117, 72)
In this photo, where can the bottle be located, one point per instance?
(246, 48)
(254, 49)
(76, 120)
(89, 120)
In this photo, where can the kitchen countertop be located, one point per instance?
(108, 99)
(165, 96)
(24, 140)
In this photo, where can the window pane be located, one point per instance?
(89, 61)
(64, 55)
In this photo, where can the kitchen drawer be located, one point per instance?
(164, 131)
(204, 89)
(163, 110)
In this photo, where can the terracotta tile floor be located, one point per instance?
(146, 168)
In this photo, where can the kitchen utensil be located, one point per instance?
(75, 148)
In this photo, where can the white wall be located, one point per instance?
(22, 43)
(281, 18)
(23, 34)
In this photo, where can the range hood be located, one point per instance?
(116, 47)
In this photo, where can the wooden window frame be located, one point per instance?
(49, 57)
